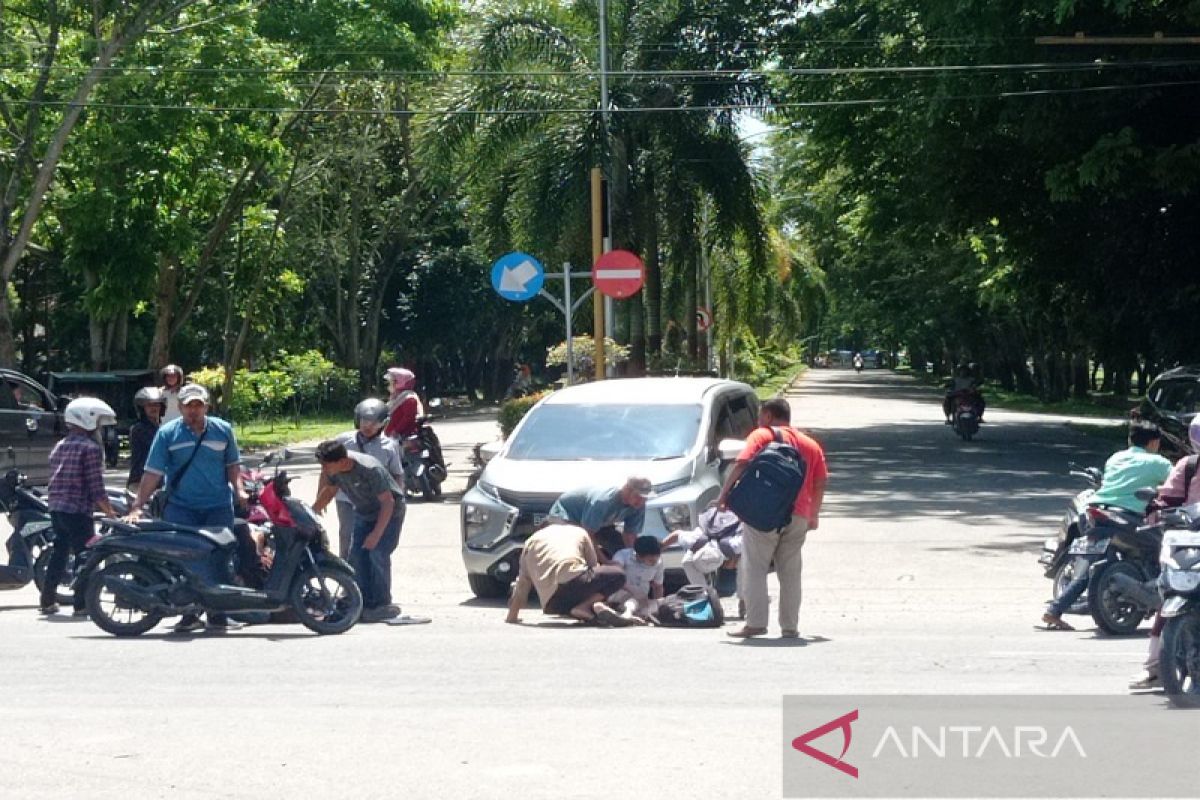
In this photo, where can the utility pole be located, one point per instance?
(599, 189)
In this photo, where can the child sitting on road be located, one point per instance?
(644, 575)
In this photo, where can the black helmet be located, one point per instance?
(149, 395)
(372, 410)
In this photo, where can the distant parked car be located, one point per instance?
(30, 425)
(115, 388)
(681, 433)
(1171, 403)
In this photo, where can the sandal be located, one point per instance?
(1053, 623)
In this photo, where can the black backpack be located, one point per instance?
(764, 495)
(691, 607)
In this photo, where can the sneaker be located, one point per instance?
(216, 626)
(1145, 683)
(189, 623)
(392, 610)
(49, 610)
(789, 634)
(80, 613)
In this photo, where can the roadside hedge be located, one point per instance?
(512, 411)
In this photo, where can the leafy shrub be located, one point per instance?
(584, 355)
(512, 411)
(304, 382)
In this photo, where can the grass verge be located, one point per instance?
(776, 384)
(1100, 406)
(265, 434)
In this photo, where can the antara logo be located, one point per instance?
(801, 743)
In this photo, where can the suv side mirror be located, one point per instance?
(728, 449)
(490, 450)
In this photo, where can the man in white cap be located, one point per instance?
(197, 455)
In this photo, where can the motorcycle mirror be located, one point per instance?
(1145, 495)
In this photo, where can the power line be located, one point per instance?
(749, 107)
(589, 74)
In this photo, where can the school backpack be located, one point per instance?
(764, 495)
(692, 606)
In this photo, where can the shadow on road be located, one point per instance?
(1015, 471)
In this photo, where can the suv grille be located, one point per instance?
(528, 502)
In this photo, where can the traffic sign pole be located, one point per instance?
(599, 318)
(568, 307)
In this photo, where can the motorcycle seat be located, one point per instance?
(220, 536)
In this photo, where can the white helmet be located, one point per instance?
(89, 413)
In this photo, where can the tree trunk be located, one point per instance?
(1081, 381)
(165, 293)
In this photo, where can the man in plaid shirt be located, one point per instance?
(76, 489)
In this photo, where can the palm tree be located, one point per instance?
(527, 167)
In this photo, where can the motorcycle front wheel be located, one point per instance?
(108, 612)
(1179, 663)
(1112, 612)
(328, 603)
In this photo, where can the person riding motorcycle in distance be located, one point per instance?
(151, 403)
(964, 383)
(172, 378)
(403, 405)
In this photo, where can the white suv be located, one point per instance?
(682, 433)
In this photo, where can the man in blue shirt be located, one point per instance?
(197, 455)
(598, 510)
(1125, 472)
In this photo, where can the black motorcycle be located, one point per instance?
(1122, 589)
(1179, 662)
(157, 569)
(31, 543)
(424, 465)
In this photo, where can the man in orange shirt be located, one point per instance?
(783, 547)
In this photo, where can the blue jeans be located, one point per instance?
(198, 517)
(201, 517)
(1075, 588)
(373, 568)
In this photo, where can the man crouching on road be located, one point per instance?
(378, 515)
(782, 547)
(559, 560)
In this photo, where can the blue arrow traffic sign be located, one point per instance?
(518, 277)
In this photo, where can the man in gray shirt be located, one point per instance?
(378, 515)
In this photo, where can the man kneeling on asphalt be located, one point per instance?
(559, 560)
(378, 515)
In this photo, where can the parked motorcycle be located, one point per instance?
(1179, 662)
(156, 569)
(1121, 587)
(1057, 559)
(30, 545)
(424, 466)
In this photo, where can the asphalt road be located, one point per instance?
(921, 579)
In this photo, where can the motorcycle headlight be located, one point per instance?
(676, 516)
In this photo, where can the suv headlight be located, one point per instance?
(488, 489)
(474, 520)
(676, 516)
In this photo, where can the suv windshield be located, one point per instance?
(606, 433)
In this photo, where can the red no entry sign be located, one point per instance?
(618, 274)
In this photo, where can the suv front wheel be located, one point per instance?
(486, 587)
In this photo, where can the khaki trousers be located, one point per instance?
(759, 550)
